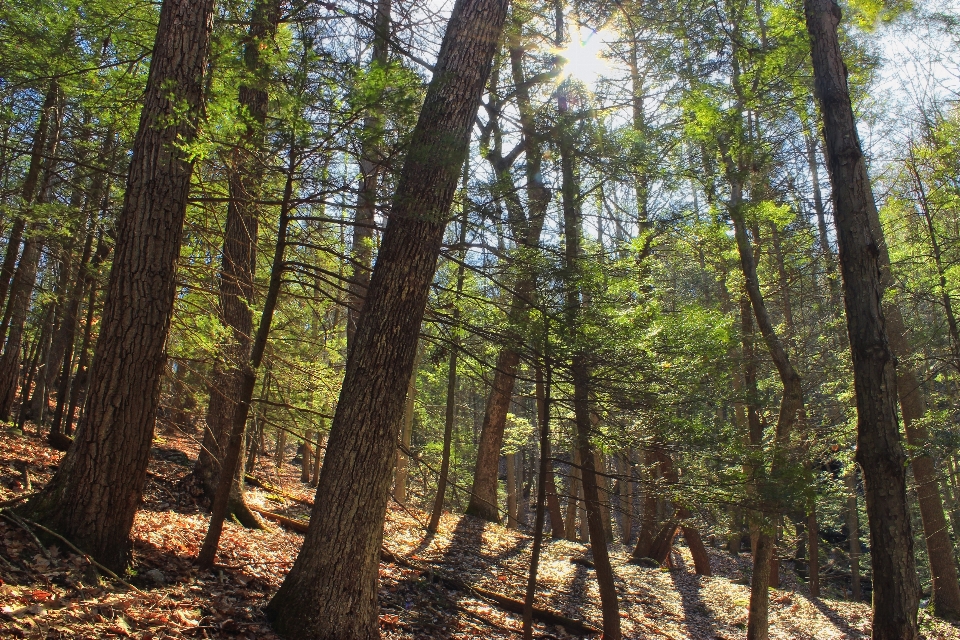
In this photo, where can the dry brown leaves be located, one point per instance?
(60, 597)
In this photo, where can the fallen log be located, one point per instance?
(295, 525)
(277, 490)
(504, 602)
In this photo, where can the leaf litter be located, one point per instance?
(54, 593)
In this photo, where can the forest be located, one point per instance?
(479, 318)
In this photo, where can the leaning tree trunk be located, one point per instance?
(94, 495)
(879, 451)
(331, 591)
(245, 178)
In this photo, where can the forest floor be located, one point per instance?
(51, 592)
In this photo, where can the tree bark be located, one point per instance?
(331, 591)
(94, 495)
(450, 413)
(406, 435)
(879, 451)
(552, 495)
(853, 531)
(483, 498)
(239, 258)
(370, 169)
(28, 191)
(20, 292)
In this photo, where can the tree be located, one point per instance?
(331, 591)
(93, 497)
(879, 451)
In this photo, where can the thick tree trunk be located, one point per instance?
(879, 451)
(94, 495)
(331, 591)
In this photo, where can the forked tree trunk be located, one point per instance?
(879, 451)
(94, 495)
(483, 497)
(331, 591)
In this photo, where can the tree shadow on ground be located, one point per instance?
(688, 585)
(837, 620)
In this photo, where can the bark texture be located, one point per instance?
(331, 591)
(239, 261)
(879, 450)
(93, 497)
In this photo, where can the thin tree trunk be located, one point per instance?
(406, 435)
(94, 494)
(28, 191)
(370, 169)
(853, 531)
(331, 591)
(450, 413)
(20, 293)
(879, 451)
(307, 457)
(223, 502)
(511, 490)
(626, 494)
(573, 500)
(552, 495)
(245, 183)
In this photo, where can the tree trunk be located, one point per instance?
(406, 435)
(224, 500)
(307, 457)
(28, 191)
(450, 413)
(813, 547)
(853, 531)
(331, 590)
(370, 168)
(511, 490)
(94, 495)
(879, 451)
(245, 182)
(573, 500)
(626, 494)
(648, 524)
(483, 498)
(20, 293)
(552, 495)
